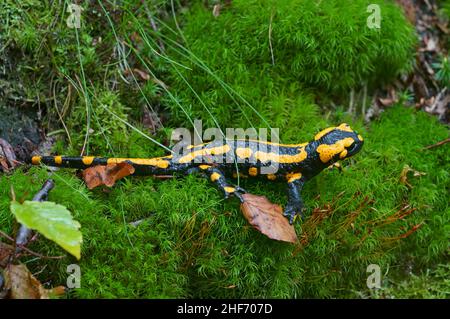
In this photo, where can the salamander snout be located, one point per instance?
(339, 142)
(352, 141)
(356, 146)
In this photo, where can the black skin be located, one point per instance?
(228, 161)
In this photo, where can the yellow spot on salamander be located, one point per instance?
(271, 177)
(282, 159)
(360, 138)
(335, 165)
(87, 160)
(293, 177)
(195, 146)
(345, 127)
(215, 176)
(58, 160)
(327, 152)
(243, 152)
(36, 160)
(159, 162)
(252, 171)
(204, 152)
(229, 189)
(204, 167)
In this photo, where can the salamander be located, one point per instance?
(217, 160)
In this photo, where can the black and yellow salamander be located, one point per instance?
(293, 163)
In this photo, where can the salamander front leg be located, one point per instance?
(216, 176)
(295, 204)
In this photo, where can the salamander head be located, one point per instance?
(337, 143)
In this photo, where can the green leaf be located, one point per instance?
(53, 221)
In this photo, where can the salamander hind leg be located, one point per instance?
(216, 176)
(294, 206)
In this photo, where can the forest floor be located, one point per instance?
(133, 72)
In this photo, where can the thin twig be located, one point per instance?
(154, 26)
(163, 176)
(364, 99)
(437, 144)
(55, 103)
(176, 22)
(270, 39)
(24, 232)
(28, 250)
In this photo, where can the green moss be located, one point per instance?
(192, 244)
(430, 284)
(326, 46)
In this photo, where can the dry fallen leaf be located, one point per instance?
(144, 75)
(267, 218)
(431, 44)
(5, 251)
(7, 156)
(133, 72)
(23, 285)
(216, 10)
(151, 120)
(386, 101)
(106, 175)
(404, 175)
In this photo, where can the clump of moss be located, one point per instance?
(188, 241)
(191, 243)
(268, 49)
(74, 78)
(428, 284)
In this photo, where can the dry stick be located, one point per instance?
(29, 250)
(25, 233)
(437, 144)
(364, 99)
(163, 176)
(352, 100)
(154, 26)
(60, 115)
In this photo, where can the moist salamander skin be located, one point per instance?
(221, 159)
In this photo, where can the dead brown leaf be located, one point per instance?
(438, 105)
(444, 27)
(386, 101)
(106, 175)
(404, 175)
(23, 285)
(216, 10)
(431, 44)
(420, 87)
(267, 218)
(5, 251)
(143, 75)
(7, 156)
(151, 120)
